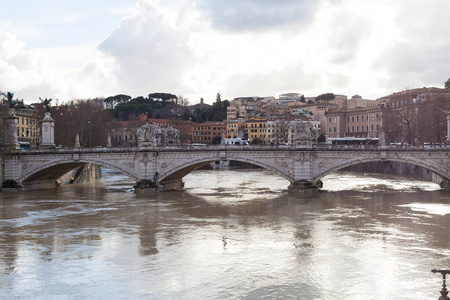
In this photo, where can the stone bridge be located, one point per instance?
(164, 168)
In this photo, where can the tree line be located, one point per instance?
(165, 106)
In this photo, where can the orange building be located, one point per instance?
(204, 133)
(256, 128)
(234, 127)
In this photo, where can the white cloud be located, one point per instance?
(197, 48)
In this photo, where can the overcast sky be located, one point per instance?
(65, 49)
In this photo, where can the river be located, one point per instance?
(231, 234)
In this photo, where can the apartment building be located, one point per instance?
(28, 128)
(357, 101)
(318, 112)
(277, 131)
(256, 128)
(205, 132)
(232, 112)
(235, 129)
(361, 122)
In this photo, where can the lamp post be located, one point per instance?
(444, 291)
(448, 127)
(89, 122)
(70, 128)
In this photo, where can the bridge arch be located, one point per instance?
(180, 170)
(437, 169)
(54, 169)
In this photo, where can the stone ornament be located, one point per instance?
(150, 135)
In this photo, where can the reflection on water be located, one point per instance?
(231, 234)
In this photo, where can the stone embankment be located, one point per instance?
(398, 168)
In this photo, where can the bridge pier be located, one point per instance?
(174, 184)
(443, 182)
(167, 185)
(302, 185)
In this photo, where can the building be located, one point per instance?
(416, 115)
(28, 128)
(235, 129)
(291, 96)
(277, 131)
(124, 133)
(256, 127)
(205, 133)
(318, 112)
(361, 123)
(232, 112)
(357, 101)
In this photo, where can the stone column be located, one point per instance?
(47, 132)
(11, 137)
(77, 141)
(108, 141)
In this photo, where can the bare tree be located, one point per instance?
(84, 117)
(281, 133)
(182, 101)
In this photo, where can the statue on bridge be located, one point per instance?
(171, 136)
(46, 103)
(9, 97)
(304, 133)
(150, 135)
(147, 134)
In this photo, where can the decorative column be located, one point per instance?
(77, 141)
(11, 138)
(108, 141)
(47, 132)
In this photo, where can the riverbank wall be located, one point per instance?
(402, 169)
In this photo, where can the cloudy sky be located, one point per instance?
(65, 49)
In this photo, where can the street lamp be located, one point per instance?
(89, 122)
(443, 291)
(70, 128)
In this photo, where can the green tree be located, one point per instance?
(325, 97)
(216, 140)
(447, 84)
(322, 138)
(257, 141)
(111, 102)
